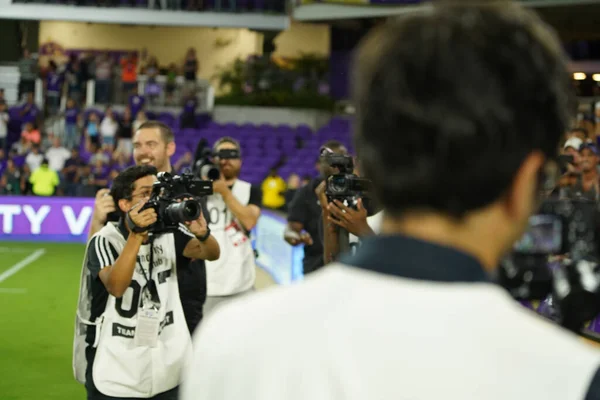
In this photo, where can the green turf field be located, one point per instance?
(37, 311)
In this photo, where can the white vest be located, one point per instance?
(120, 368)
(234, 271)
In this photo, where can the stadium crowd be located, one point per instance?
(260, 6)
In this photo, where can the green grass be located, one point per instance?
(36, 326)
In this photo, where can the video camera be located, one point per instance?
(204, 165)
(556, 261)
(345, 186)
(167, 200)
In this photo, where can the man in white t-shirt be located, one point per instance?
(57, 155)
(34, 158)
(4, 118)
(460, 108)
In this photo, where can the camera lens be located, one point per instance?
(187, 210)
(337, 184)
(210, 171)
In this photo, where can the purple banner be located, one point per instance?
(45, 219)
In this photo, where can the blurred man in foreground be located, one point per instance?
(459, 109)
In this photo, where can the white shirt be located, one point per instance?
(34, 160)
(351, 334)
(108, 127)
(57, 156)
(3, 124)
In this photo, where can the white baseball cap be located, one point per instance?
(573, 142)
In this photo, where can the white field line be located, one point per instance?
(13, 291)
(21, 264)
(14, 250)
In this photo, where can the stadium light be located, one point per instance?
(579, 76)
(596, 77)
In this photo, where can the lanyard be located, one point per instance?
(150, 297)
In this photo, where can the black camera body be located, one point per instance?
(167, 200)
(556, 261)
(345, 186)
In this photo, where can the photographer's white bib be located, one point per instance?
(122, 369)
(234, 272)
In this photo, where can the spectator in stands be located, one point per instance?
(100, 171)
(47, 141)
(10, 183)
(34, 158)
(4, 118)
(54, 88)
(125, 134)
(28, 72)
(273, 188)
(188, 116)
(86, 182)
(2, 98)
(75, 82)
(139, 120)
(44, 180)
(184, 162)
(25, 184)
(136, 103)
(580, 133)
(108, 129)
(129, 73)
(103, 78)
(121, 161)
(191, 67)
(21, 147)
(57, 155)
(30, 112)
(98, 154)
(92, 131)
(71, 139)
(587, 184)
(3, 161)
(30, 134)
(171, 84)
(70, 172)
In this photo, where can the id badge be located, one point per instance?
(148, 325)
(235, 234)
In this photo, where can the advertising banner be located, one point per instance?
(65, 219)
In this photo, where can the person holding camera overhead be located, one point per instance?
(131, 336)
(234, 209)
(460, 108)
(154, 144)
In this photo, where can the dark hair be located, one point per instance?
(165, 132)
(123, 185)
(450, 101)
(227, 139)
(580, 130)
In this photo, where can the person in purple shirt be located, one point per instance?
(71, 135)
(69, 173)
(101, 174)
(188, 117)
(3, 161)
(136, 103)
(54, 85)
(29, 112)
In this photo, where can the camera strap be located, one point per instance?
(150, 296)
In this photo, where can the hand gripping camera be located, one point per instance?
(556, 262)
(167, 200)
(345, 186)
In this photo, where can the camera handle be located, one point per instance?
(343, 240)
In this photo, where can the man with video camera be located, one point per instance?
(304, 213)
(460, 110)
(131, 336)
(234, 209)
